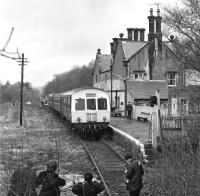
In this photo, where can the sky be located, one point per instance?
(56, 35)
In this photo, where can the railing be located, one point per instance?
(171, 123)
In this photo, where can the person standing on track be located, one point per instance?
(134, 172)
(50, 181)
(88, 187)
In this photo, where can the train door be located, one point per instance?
(91, 109)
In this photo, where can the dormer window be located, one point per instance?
(138, 75)
(171, 78)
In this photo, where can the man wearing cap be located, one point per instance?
(134, 173)
(88, 187)
(50, 181)
(23, 180)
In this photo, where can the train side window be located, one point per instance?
(80, 104)
(91, 104)
(102, 104)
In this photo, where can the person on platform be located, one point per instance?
(133, 172)
(88, 187)
(23, 181)
(129, 109)
(50, 181)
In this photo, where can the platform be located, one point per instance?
(136, 129)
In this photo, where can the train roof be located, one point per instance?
(79, 89)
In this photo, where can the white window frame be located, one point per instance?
(185, 106)
(140, 75)
(171, 79)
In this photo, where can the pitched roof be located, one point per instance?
(130, 48)
(170, 45)
(145, 89)
(104, 62)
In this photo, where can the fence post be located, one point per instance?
(182, 126)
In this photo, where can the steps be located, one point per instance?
(150, 152)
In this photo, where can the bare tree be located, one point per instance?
(7, 54)
(184, 21)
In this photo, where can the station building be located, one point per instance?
(135, 69)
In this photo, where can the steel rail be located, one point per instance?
(99, 172)
(119, 155)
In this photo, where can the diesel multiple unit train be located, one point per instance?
(86, 109)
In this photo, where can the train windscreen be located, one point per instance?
(80, 104)
(91, 104)
(102, 104)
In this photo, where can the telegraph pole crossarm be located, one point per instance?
(22, 62)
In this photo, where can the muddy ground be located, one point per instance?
(44, 137)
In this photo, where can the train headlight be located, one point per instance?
(79, 119)
(104, 119)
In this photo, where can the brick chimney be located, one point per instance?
(130, 34)
(142, 34)
(152, 25)
(113, 46)
(158, 24)
(135, 34)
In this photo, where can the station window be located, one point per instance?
(91, 104)
(171, 78)
(80, 104)
(102, 104)
(138, 75)
(184, 106)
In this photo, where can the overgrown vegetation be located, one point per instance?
(176, 171)
(184, 22)
(75, 78)
(42, 137)
(11, 92)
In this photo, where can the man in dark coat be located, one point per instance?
(134, 173)
(23, 181)
(88, 187)
(129, 109)
(50, 181)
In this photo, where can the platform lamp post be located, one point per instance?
(111, 82)
(125, 64)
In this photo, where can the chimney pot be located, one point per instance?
(151, 11)
(130, 33)
(158, 12)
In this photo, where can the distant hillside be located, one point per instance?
(75, 78)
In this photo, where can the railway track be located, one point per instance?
(109, 165)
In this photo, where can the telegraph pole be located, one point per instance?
(22, 62)
(125, 64)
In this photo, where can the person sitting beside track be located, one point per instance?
(50, 181)
(88, 187)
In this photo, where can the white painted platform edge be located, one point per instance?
(132, 139)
